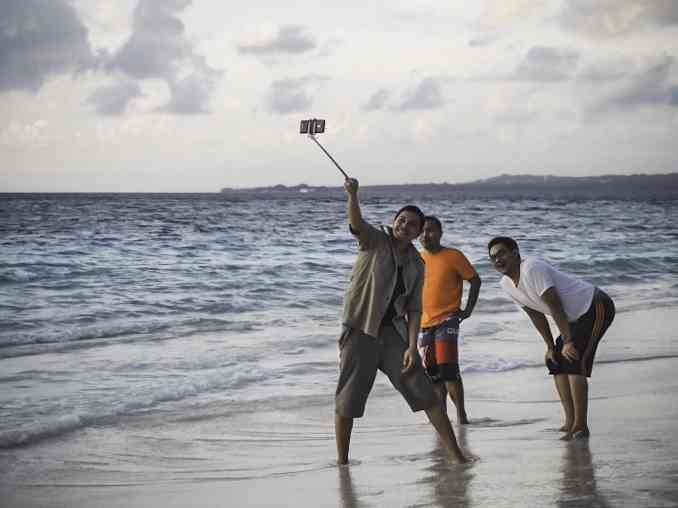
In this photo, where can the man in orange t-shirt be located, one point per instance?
(446, 271)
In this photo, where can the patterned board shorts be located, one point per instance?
(438, 349)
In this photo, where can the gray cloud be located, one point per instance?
(609, 70)
(378, 100)
(40, 39)
(609, 18)
(113, 99)
(288, 96)
(190, 95)
(546, 64)
(427, 95)
(482, 41)
(157, 44)
(158, 48)
(289, 39)
(652, 87)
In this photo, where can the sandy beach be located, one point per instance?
(283, 454)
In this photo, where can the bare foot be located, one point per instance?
(581, 433)
(576, 434)
(459, 457)
(565, 428)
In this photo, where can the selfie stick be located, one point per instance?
(316, 126)
(328, 154)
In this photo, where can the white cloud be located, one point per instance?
(652, 87)
(547, 64)
(611, 18)
(291, 39)
(293, 95)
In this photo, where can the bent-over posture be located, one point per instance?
(581, 311)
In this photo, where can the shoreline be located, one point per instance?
(285, 457)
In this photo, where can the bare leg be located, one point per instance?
(442, 425)
(342, 432)
(579, 387)
(441, 390)
(456, 391)
(563, 388)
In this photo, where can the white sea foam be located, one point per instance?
(17, 275)
(136, 401)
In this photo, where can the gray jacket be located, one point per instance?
(374, 279)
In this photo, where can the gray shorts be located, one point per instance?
(361, 356)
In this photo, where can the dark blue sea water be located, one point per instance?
(130, 305)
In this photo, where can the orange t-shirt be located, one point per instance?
(446, 271)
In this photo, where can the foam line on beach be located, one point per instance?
(638, 359)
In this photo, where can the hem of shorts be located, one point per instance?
(587, 374)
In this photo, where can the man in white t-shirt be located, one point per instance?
(581, 311)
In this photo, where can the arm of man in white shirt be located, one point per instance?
(542, 325)
(555, 305)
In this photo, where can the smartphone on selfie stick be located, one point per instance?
(316, 126)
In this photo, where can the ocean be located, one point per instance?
(175, 307)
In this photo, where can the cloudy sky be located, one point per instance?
(196, 95)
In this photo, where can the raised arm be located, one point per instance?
(355, 217)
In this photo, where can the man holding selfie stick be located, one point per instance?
(381, 318)
(382, 314)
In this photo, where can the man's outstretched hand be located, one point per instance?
(351, 186)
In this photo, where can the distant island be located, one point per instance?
(638, 186)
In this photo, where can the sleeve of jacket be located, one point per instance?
(368, 237)
(414, 302)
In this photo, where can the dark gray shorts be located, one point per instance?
(361, 356)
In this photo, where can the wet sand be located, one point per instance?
(284, 457)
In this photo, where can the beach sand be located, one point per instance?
(284, 456)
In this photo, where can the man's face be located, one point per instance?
(503, 259)
(406, 226)
(430, 236)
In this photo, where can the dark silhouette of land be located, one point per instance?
(626, 187)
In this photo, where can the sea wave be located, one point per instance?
(13, 343)
(134, 404)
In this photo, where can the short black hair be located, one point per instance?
(414, 209)
(435, 220)
(505, 240)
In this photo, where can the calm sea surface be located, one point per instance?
(114, 306)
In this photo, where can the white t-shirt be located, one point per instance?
(536, 276)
